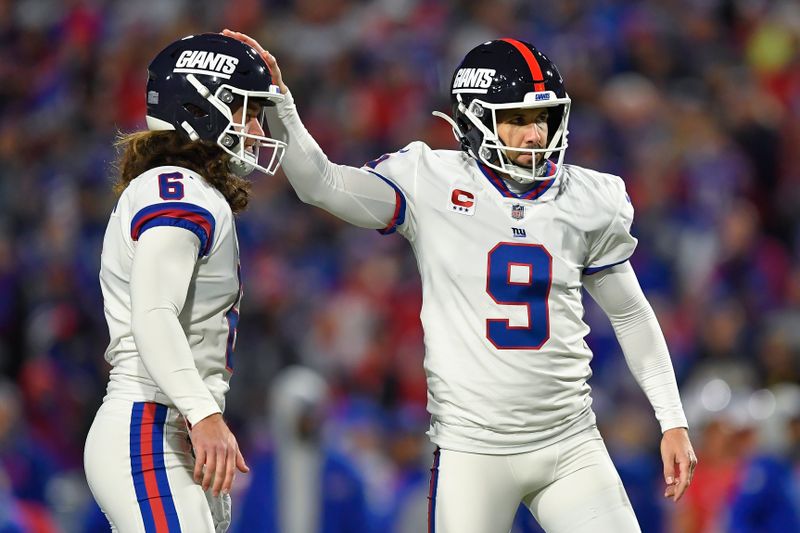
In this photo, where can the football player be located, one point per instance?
(159, 456)
(506, 235)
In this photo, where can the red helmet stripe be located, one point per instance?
(536, 71)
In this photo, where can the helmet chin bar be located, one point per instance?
(233, 140)
(515, 171)
(525, 175)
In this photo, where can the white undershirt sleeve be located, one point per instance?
(618, 293)
(352, 194)
(162, 270)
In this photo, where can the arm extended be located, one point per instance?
(352, 194)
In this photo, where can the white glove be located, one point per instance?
(220, 510)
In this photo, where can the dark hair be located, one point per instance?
(143, 150)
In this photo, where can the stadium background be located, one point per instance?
(696, 103)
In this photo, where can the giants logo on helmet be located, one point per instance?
(473, 80)
(209, 63)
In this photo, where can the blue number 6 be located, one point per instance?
(531, 288)
(169, 186)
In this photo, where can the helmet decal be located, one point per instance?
(208, 63)
(473, 80)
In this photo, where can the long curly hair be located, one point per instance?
(143, 150)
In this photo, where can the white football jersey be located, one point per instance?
(173, 196)
(506, 361)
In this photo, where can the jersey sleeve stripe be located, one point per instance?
(595, 270)
(184, 215)
(399, 216)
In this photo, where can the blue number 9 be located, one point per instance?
(532, 290)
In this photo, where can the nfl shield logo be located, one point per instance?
(517, 211)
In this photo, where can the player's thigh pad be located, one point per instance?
(139, 466)
(586, 494)
(472, 493)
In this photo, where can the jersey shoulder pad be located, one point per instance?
(173, 184)
(604, 211)
(175, 196)
(599, 191)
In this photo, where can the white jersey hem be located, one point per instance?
(455, 438)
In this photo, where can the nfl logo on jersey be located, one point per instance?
(517, 211)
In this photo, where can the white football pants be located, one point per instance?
(139, 464)
(570, 487)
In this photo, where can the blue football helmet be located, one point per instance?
(507, 74)
(196, 84)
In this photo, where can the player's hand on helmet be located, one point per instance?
(268, 58)
(679, 462)
(217, 454)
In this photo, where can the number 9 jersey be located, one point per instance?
(506, 361)
(174, 196)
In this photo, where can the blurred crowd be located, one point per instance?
(695, 103)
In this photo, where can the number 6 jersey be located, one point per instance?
(177, 197)
(506, 361)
